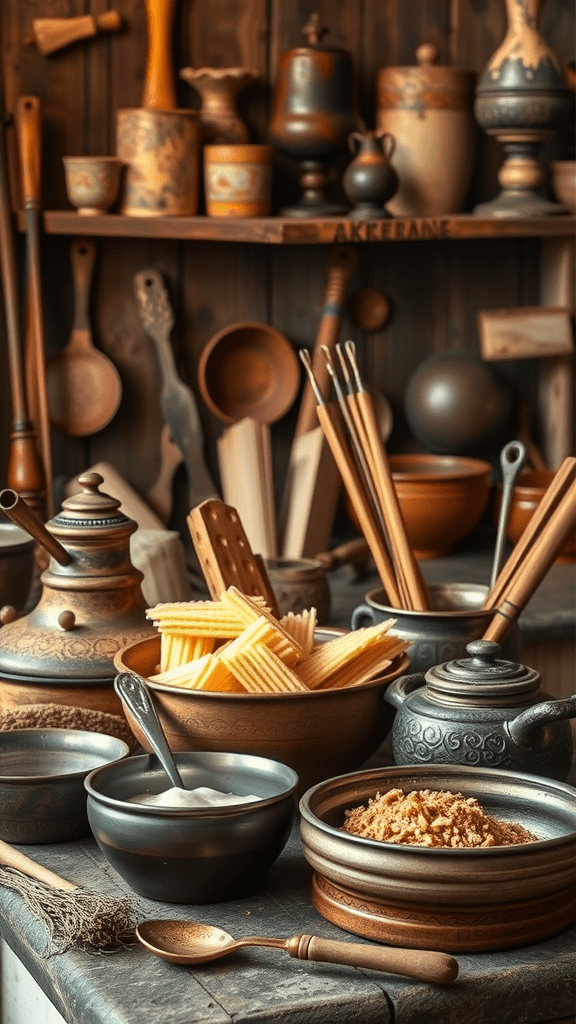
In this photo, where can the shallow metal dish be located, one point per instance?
(437, 898)
(42, 772)
(192, 855)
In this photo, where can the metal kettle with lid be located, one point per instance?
(91, 602)
(484, 712)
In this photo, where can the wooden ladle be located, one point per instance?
(190, 942)
(84, 387)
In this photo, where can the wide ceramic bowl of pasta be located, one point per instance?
(315, 699)
(443, 856)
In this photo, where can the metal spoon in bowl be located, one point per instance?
(190, 942)
(134, 693)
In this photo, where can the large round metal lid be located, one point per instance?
(482, 678)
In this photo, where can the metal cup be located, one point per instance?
(441, 634)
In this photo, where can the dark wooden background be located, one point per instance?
(435, 287)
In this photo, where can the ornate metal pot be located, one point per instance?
(90, 606)
(483, 712)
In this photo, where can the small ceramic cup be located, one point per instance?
(92, 182)
(238, 180)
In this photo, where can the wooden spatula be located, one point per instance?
(225, 555)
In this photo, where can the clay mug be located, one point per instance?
(238, 180)
(92, 182)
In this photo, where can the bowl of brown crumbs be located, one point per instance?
(443, 856)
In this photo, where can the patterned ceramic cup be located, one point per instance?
(92, 182)
(238, 180)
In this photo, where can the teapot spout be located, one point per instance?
(26, 518)
(526, 728)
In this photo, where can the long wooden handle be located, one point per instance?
(159, 82)
(425, 965)
(403, 558)
(82, 259)
(353, 483)
(534, 567)
(550, 501)
(11, 858)
(29, 129)
(341, 267)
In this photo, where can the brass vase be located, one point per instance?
(521, 99)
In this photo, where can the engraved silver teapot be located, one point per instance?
(484, 712)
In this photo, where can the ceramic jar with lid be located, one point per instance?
(481, 711)
(429, 109)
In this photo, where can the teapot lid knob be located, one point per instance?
(483, 651)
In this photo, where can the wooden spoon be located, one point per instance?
(190, 942)
(84, 387)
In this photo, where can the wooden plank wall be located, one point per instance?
(435, 288)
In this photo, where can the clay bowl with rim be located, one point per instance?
(318, 734)
(526, 496)
(443, 898)
(442, 498)
(42, 772)
(192, 854)
(249, 370)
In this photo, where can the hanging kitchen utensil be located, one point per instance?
(84, 387)
(176, 398)
(512, 459)
(28, 124)
(25, 472)
(51, 34)
(312, 484)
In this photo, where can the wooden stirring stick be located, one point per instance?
(531, 571)
(404, 561)
(328, 418)
(563, 478)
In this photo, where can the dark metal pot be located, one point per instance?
(481, 711)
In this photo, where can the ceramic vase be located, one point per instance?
(219, 89)
(370, 180)
(521, 99)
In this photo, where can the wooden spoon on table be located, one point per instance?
(84, 387)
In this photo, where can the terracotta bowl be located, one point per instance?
(249, 369)
(318, 734)
(444, 898)
(564, 182)
(442, 498)
(92, 182)
(528, 492)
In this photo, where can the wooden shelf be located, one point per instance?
(296, 231)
